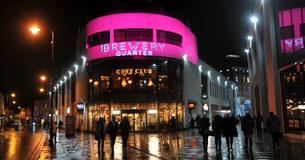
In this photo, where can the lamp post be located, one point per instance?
(35, 31)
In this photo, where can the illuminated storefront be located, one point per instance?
(135, 69)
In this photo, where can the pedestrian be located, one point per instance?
(229, 130)
(112, 130)
(274, 126)
(100, 135)
(197, 120)
(204, 131)
(54, 127)
(259, 119)
(192, 123)
(217, 129)
(247, 126)
(60, 124)
(125, 130)
(173, 124)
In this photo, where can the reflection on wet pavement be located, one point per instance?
(182, 145)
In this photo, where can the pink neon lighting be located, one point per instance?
(141, 48)
(293, 18)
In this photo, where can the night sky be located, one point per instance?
(220, 26)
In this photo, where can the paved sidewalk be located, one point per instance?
(183, 145)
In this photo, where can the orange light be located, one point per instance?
(13, 95)
(14, 102)
(41, 90)
(43, 78)
(34, 30)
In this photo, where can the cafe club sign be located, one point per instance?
(141, 48)
(132, 48)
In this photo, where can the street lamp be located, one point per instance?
(41, 90)
(35, 31)
(43, 78)
(13, 95)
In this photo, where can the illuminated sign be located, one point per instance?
(132, 48)
(132, 71)
(292, 30)
(146, 35)
(191, 106)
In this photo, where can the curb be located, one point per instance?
(36, 153)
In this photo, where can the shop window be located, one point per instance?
(302, 29)
(98, 38)
(287, 32)
(169, 37)
(134, 34)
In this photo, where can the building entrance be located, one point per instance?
(137, 119)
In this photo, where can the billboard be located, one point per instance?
(292, 30)
(138, 35)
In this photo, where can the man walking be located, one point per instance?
(259, 120)
(247, 126)
(274, 124)
(99, 135)
(125, 130)
(204, 131)
(112, 130)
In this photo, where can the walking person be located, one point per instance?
(204, 131)
(197, 120)
(54, 127)
(217, 128)
(125, 130)
(112, 130)
(100, 135)
(259, 119)
(192, 123)
(229, 130)
(274, 126)
(247, 126)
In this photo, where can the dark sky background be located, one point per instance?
(220, 26)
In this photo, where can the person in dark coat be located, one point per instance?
(274, 126)
(259, 119)
(229, 130)
(247, 126)
(125, 130)
(217, 128)
(204, 131)
(112, 130)
(192, 122)
(100, 135)
(197, 120)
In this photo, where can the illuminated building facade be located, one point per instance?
(144, 66)
(276, 63)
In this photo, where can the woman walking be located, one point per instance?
(247, 126)
(204, 131)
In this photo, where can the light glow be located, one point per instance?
(254, 19)
(205, 107)
(115, 112)
(301, 106)
(84, 59)
(200, 68)
(152, 111)
(250, 38)
(34, 30)
(41, 90)
(247, 50)
(76, 67)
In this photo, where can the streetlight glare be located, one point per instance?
(247, 50)
(250, 38)
(254, 19)
(41, 90)
(34, 30)
(13, 95)
(43, 78)
(14, 102)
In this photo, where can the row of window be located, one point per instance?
(218, 91)
(134, 34)
(287, 32)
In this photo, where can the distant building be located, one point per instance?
(41, 109)
(238, 72)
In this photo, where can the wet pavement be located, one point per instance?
(20, 145)
(182, 145)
